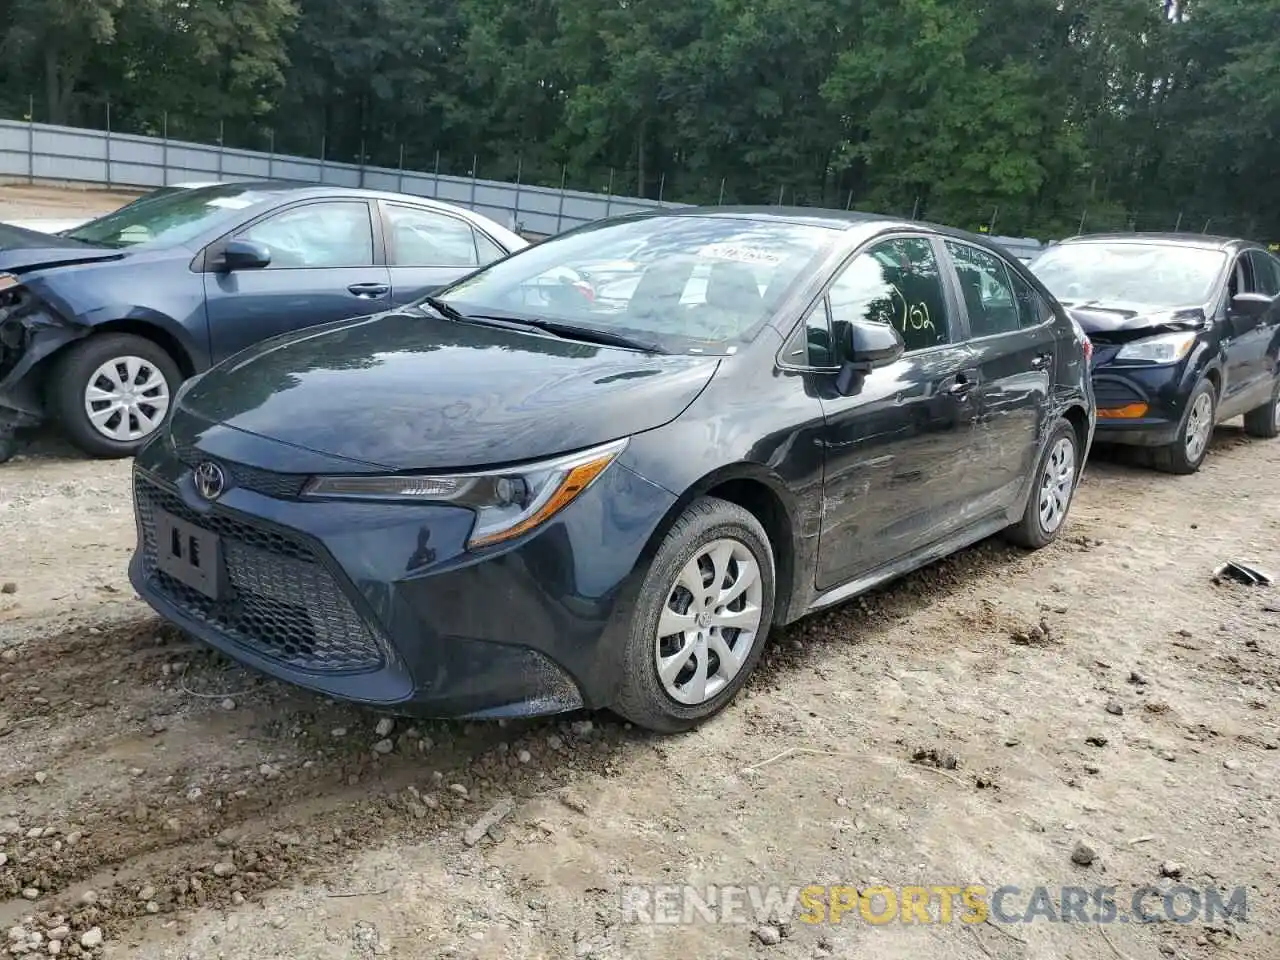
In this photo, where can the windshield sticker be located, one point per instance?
(730, 251)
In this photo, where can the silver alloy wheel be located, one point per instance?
(1057, 483)
(1199, 426)
(126, 399)
(710, 621)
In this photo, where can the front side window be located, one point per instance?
(895, 282)
(1130, 272)
(1266, 272)
(424, 238)
(989, 297)
(317, 235)
(699, 284)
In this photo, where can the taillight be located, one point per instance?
(1088, 350)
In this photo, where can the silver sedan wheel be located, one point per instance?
(126, 399)
(1057, 483)
(710, 622)
(1199, 426)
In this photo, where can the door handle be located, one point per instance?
(369, 291)
(961, 386)
(1041, 360)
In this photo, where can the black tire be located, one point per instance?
(1031, 531)
(8, 447)
(1264, 421)
(1174, 458)
(643, 699)
(70, 379)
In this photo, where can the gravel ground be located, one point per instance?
(1097, 713)
(22, 201)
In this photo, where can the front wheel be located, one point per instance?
(1186, 453)
(112, 391)
(701, 619)
(1264, 421)
(1054, 486)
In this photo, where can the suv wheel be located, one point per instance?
(1187, 453)
(1264, 421)
(111, 392)
(1055, 486)
(701, 619)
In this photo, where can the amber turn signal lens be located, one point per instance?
(575, 481)
(1130, 411)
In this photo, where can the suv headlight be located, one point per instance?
(507, 502)
(1165, 348)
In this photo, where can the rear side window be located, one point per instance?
(424, 238)
(1266, 272)
(895, 282)
(988, 291)
(487, 249)
(1032, 308)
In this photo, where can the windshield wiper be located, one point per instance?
(568, 331)
(442, 308)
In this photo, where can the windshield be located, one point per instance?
(169, 215)
(689, 284)
(1161, 275)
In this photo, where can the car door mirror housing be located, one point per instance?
(871, 345)
(1250, 304)
(245, 255)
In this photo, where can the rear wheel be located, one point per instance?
(701, 619)
(1264, 421)
(1187, 453)
(111, 392)
(1055, 485)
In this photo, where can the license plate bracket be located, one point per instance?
(190, 555)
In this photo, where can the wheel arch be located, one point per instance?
(765, 496)
(156, 333)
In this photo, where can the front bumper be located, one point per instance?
(1163, 391)
(381, 604)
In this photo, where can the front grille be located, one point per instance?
(1108, 392)
(282, 486)
(284, 603)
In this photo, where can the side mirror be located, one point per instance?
(245, 255)
(872, 345)
(1250, 305)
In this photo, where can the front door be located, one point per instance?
(899, 458)
(323, 268)
(1012, 335)
(427, 249)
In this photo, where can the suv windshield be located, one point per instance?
(171, 216)
(1160, 275)
(688, 283)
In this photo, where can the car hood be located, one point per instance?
(23, 250)
(405, 391)
(1117, 321)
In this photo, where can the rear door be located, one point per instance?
(324, 266)
(1266, 277)
(1012, 336)
(427, 249)
(899, 447)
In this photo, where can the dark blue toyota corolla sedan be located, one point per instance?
(598, 472)
(99, 326)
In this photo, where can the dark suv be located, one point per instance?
(528, 495)
(1186, 331)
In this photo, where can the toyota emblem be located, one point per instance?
(210, 480)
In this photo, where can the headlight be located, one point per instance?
(507, 502)
(1165, 348)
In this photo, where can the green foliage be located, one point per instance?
(1029, 116)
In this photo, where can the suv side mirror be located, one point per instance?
(245, 255)
(1250, 305)
(871, 345)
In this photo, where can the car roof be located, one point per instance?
(844, 220)
(1197, 241)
